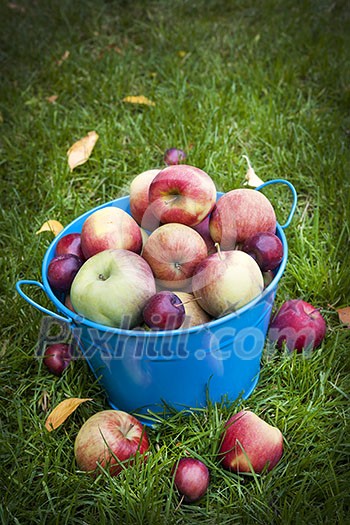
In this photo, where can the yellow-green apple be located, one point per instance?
(226, 281)
(182, 193)
(191, 478)
(112, 287)
(240, 214)
(139, 201)
(109, 439)
(194, 314)
(250, 444)
(203, 229)
(299, 325)
(110, 228)
(173, 251)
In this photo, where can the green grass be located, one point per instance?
(267, 79)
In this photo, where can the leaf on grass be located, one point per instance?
(138, 100)
(16, 7)
(63, 411)
(344, 315)
(251, 177)
(182, 54)
(52, 99)
(51, 226)
(81, 150)
(63, 58)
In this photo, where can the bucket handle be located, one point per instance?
(22, 282)
(294, 193)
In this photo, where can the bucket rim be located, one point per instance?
(78, 319)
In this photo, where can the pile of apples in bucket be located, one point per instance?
(181, 258)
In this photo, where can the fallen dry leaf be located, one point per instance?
(251, 177)
(64, 57)
(81, 150)
(51, 226)
(182, 54)
(138, 100)
(344, 315)
(16, 7)
(52, 99)
(62, 411)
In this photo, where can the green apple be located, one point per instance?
(112, 287)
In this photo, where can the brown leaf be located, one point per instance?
(52, 99)
(51, 226)
(344, 315)
(62, 411)
(16, 7)
(81, 150)
(138, 100)
(251, 177)
(64, 57)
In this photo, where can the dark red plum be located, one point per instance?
(70, 243)
(164, 311)
(62, 270)
(191, 479)
(57, 357)
(174, 156)
(266, 248)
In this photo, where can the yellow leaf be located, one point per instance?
(63, 411)
(182, 54)
(344, 315)
(63, 58)
(251, 177)
(81, 150)
(51, 226)
(52, 99)
(139, 100)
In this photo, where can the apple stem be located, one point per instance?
(130, 427)
(171, 200)
(218, 249)
(102, 277)
(188, 301)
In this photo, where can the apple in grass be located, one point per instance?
(139, 201)
(191, 478)
(174, 156)
(109, 438)
(225, 281)
(240, 214)
(173, 251)
(110, 228)
(57, 357)
(298, 325)
(182, 194)
(112, 287)
(250, 444)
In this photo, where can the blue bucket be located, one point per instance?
(151, 373)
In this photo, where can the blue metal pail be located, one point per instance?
(147, 372)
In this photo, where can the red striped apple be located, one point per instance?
(112, 287)
(225, 281)
(109, 439)
(173, 251)
(139, 201)
(250, 444)
(183, 194)
(110, 228)
(240, 214)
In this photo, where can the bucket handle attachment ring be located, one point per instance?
(42, 309)
(294, 193)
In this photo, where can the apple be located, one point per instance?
(164, 311)
(109, 439)
(225, 281)
(250, 444)
(182, 193)
(174, 156)
(68, 303)
(70, 243)
(194, 314)
(139, 202)
(62, 270)
(266, 248)
(112, 288)
(203, 229)
(57, 357)
(299, 325)
(191, 478)
(173, 251)
(110, 228)
(240, 214)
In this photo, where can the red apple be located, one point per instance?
(62, 270)
(174, 156)
(173, 251)
(299, 324)
(139, 201)
(250, 444)
(203, 229)
(182, 193)
(191, 478)
(70, 243)
(57, 357)
(226, 281)
(109, 439)
(110, 228)
(240, 214)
